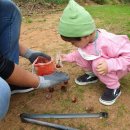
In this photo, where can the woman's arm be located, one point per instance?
(22, 77)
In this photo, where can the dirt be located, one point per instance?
(41, 34)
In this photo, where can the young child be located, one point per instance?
(103, 55)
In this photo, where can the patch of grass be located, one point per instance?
(21, 128)
(114, 18)
(105, 110)
(121, 111)
(34, 128)
(32, 94)
(66, 103)
(79, 91)
(27, 108)
(27, 20)
(128, 35)
(83, 127)
(41, 20)
(105, 123)
(125, 85)
(111, 1)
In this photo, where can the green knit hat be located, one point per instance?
(75, 21)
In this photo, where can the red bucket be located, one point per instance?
(43, 66)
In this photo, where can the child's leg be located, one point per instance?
(10, 21)
(88, 77)
(111, 80)
(5, 94)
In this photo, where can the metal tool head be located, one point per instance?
(104, 114)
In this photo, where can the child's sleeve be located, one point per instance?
(71, 57)
(122, 61)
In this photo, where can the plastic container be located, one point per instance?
(43, 66)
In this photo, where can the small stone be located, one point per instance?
(58, 66)
(51, 90)
(89, 109)
(48, 96)
(66, 82)
(74, 99)
(63, 88)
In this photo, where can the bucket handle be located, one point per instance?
(33, 69)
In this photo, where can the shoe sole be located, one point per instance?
(82, 84)
(108, 103)
(21, 91)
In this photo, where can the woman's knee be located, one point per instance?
(8, 9)
(5, 94)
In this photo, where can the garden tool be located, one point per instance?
(31, 118)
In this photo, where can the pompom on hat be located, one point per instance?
(76, 21)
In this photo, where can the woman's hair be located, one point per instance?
(70, 39)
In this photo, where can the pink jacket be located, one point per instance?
(115, 48)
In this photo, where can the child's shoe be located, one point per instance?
(110, 96)
(86, 79)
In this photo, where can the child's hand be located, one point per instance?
(63, 57)
(102, 68)
(59, 60)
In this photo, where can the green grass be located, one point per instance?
(114, 18)
(122, 110)
(27, 20)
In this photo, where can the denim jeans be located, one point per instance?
(10, 22)
(5, 94)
